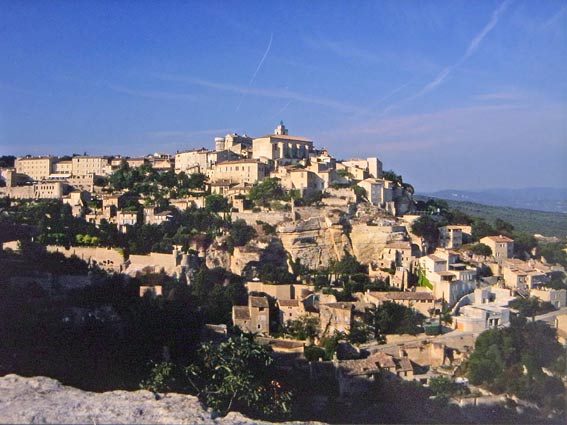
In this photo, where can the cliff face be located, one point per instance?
(316, 242)
(43, 400)
(369, 240)
(317, 237)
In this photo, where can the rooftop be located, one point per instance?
(241, 312)
(261, 302)
(499, 238)
(285, 137)
(288, 303)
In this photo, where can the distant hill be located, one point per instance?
(531, 221)
(535, 198)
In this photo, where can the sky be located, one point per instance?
(449, 94)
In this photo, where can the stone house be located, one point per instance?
(97, 165)
(448, 278)
(36, 168)
(151, 216)
(254, 317)
(451, 237)
(289, 310)
(479, 317)
(239, 171)
(126, 218)
(422, 301)
(399, 253)
(336, 317)
(557, 297)
(371, 166)
(502, 246)
(378, 191)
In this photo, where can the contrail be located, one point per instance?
(473, 46)
(257, 69)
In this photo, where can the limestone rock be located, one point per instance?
(44, 400)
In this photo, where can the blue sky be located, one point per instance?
(450, 94)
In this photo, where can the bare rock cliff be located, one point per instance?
(43, 400)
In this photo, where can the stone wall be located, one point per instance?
(154, 260)
(110, 259)
(270, 217)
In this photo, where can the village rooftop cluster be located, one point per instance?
(363, 212)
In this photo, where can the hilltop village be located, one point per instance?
(331, 264)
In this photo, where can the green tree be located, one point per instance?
(480, 229)
(241, 233)
(216, 203)
(427, 228)
(305, 327)
(236, 374)
(161, 378)
(266, 191)
(481, 249)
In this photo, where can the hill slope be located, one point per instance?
(540, 199)
(525, 220)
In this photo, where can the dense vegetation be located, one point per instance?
(441, 213)
(523, 220)
(524, 359)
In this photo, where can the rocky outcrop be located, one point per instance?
(368, 241)
(316, 241)
(41, 400)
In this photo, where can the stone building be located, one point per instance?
(97, 165)
(336, 317)
(502, 246)
(378, 191)
(254, 317)
(36, 168)
(239, 171)
(281, 146)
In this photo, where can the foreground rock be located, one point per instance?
(44, 400)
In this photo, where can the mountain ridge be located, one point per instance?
(547, 199)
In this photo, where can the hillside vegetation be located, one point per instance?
(530, 221)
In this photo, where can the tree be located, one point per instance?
(426, 227)
(511, 360)
(216, 203)
(503, 227)
(267, 190)
(480, 229)
(481, 249)
(392, 318)
(241, 233)
(530, 307)
(347, 267)
(303, 328)
(236, 374)
(445, 386)
(393, 177)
